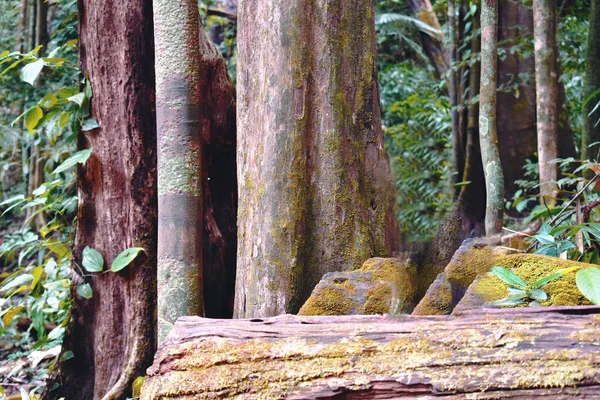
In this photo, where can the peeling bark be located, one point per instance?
(315, 188)
(488, 135)
(179, 141)
(113, 334)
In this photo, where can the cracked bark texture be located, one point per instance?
(112, 335)
(315, 187)
(179, 139)
(488, 136)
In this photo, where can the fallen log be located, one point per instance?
(519, 353)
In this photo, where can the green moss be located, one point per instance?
(531, 267)
(378, 299)
(328, 301)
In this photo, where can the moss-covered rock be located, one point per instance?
(531, 267)
(380, 286)
(473, 257)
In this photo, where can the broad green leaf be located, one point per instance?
(588, 282)
(510, 301)
(544, 238)
(24, 394)
(31, 71)
(67, 355)
(17, 281)
(57, 332)
(32, 117)
(65, 93)
(79, 157)
(541, 282)
(12, 66)
(90, 124)
(40, 191)
(125, 258)
(538, 294)
(85, 290)
(509, 277)
(71, 42)
(48, 101)
(92, 260)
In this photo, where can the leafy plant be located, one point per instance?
(521, 292)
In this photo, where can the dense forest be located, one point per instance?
(239, 160)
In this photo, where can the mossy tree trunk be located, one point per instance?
(315, 188)
(591, 130)
(113, 334)
(546, 79)
(178, 109)
(488, 136)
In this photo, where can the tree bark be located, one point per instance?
(591, 130)
(113, 334)
(41, 31)
(179, 135)
(488, 136)
(315, 188)
(453, 91)
(524, 353)
(22, 27)
(546, 79)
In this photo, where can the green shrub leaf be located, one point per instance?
(78, 158)
(588, 282)
(509, 277)
(84, 290)
(30, 72)
(92, 260)
(538, 294)
(125, 258)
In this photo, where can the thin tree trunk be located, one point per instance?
(315, 188)
(546, 79)
(591, 129)
(41, 30)
(179, 134)
(434, 48)
(488, 136)
(113, 334)
(22, 28)
(453, 91)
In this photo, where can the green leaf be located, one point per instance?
(67, 355)
(125, 258)
(541, 282)
(48, 101)
(77, 99)
(509, 301)
(79, 157)
(90, 124)
(32, 117)
(57, 332)
(534, 304)
(516, 292)
(538, 294)
(588, 282)
(85, 290)
(509, 277)
(92, 260)
(31, 71)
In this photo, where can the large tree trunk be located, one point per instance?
(315, 188)
(546, 79)
(113, 336)
(525, 353)
(591, 130)
(179, 134)
(488, 136)
(22, 27)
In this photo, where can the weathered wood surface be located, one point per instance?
(481, 354)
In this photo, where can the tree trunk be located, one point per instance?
(219, 183)
(453, 91)
(179, 135)
(434, 47)
(22, 27)
(113, 334)
(546, 79)
(591, 130)
(488, 137)
(41, 30)
(315, 188)
(524, 353)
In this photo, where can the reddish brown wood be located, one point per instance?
(484, 353)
